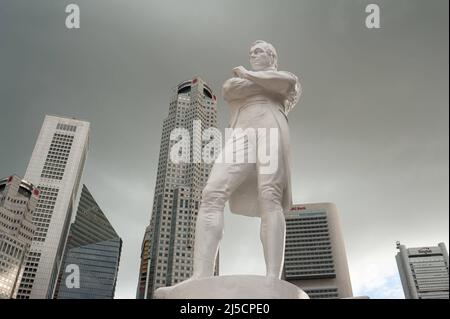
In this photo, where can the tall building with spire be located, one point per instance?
(167, 248)
(94, 248)
(55, 168)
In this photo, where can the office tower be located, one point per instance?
(55, 167)
(94, 248)
(18, 199)
(315, 258)
(167, 248)
(423, 271)
(145, 254)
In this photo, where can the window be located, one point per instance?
(66, 127)
(57, 156)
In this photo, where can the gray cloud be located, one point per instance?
(370, 133)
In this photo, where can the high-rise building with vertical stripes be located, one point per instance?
(167, 248)
(423, 271)
(18, 199)
(55, 167)
(315, 258)
(94, 248)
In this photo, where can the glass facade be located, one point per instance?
(308, 247)
(94, 248)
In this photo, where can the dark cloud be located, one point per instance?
(370, 133)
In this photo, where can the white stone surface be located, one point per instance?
(259, 102)
(232, 287)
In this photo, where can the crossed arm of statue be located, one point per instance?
(279, 84)
(272, 81)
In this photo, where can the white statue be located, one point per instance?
(259, 99)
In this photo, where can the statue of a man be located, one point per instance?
(259, 99)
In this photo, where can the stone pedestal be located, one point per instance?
(232, 287)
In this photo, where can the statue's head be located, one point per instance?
(263, 56)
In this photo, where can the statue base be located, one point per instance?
(232, 287)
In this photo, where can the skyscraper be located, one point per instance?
(145, 257)
(423, 271)
(55, 167)
(167, 248)
(94, 247)
(315, 257)
(18, 200)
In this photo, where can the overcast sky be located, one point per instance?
(370, 133)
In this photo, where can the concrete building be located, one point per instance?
(94, 247)
(18, 199)
(145, 258)
(315, 257)
(423, 271)
(167, 248)
(55, 167)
